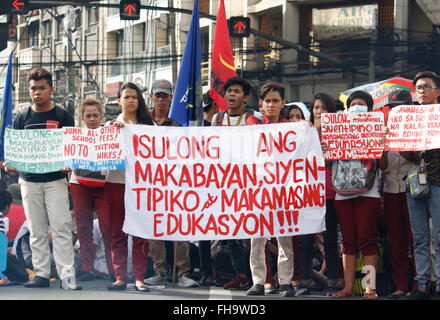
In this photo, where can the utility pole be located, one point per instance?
(372, 57)
(172, 29)
(69, 24)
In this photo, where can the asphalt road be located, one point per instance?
(96, 290)
(176, 303)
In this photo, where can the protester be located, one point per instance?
(45, 196)
(399, 236)
(134, 111)
(162, 95)
(210, 108)
(271, 99)
(322, 103)
(16, 214)
(14, 271)
(88, 196)
(237, 91)
(427, 89)
(5, 206)
(292, 113)
(358, 219)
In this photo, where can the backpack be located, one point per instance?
(59, 114)
(221, 114)
(90, 179)
(353, 176)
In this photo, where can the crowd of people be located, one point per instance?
(54, 202)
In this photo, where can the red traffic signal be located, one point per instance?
(130, 9)
(239, 27)
(19, 6)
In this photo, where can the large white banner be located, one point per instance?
(196, 183)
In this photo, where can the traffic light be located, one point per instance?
(239, 27)
(19, 6)
(130, 9)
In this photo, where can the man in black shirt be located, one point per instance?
(45, 196)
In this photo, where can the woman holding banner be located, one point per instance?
(134, 111)
(358, 216)
(88, 196)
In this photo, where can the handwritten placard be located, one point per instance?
(35, 151)
(414, 128)
(198, 183)
(352, 135)
(94, 149)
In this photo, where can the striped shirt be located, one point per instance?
(2, 224)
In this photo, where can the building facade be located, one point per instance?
(308, 45)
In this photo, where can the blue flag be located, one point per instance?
(6, 110)
(186, 106)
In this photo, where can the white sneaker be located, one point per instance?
(155, 280)
(186, 282)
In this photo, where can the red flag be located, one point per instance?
(222, 64)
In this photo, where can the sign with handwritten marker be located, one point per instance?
(199, 183)
(352, 135)
(414, 128)
(35, 151)
(94, 149)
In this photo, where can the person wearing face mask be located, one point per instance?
(88, 196)
(358, 216)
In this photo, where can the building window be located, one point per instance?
(59, 28)
(78, 20)
(33, 32)
(119, 43)
(204, 6)
(92, 15)
(46, 27)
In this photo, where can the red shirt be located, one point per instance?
(16, 218)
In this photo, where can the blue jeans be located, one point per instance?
(420, 210)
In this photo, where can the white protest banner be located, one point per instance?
(34, 151)
(352, 135)
(199, 183)
(94, 149)
(414, 128)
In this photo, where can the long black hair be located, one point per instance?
(142, 114)
(329, 102)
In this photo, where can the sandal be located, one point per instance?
(342, 294)
(370, 295)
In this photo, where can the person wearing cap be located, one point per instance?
(162, 95)
(427, 89)
(399, 235)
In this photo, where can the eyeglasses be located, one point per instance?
(425, 87)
